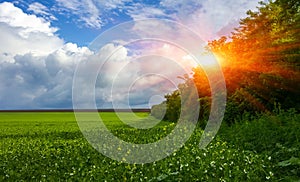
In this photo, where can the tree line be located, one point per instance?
(260, 62)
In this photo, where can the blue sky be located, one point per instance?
(74, 22)
(43, 42)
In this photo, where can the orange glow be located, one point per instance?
(253, 68)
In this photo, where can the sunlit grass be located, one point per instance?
(37, 148)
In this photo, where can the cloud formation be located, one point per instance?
(22, 33)
(207, 18)
(39, 9)
(37, 67)
(31, 81)
(16, 18)
(88, 12)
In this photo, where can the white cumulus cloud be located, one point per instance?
(22, 33)
(37, 67)
(15, 17)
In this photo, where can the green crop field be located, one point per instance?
(49, 146)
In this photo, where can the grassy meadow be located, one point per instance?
(49, 146)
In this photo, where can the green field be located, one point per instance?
(50, 147)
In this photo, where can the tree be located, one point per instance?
(260, 63)
(261, 58)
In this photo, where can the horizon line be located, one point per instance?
(77, 110)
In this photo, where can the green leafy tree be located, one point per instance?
(260, 62)
(261, 58)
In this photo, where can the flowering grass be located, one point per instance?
(50, 147)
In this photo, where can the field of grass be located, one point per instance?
(50, 147)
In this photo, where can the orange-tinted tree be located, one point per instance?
(260, 61)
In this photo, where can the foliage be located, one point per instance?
(173, 103)
(180, 103)
(38, 148)
(276, 136)
(159, 111)
(261, 59)
(260, 63)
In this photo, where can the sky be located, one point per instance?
(49, 49)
